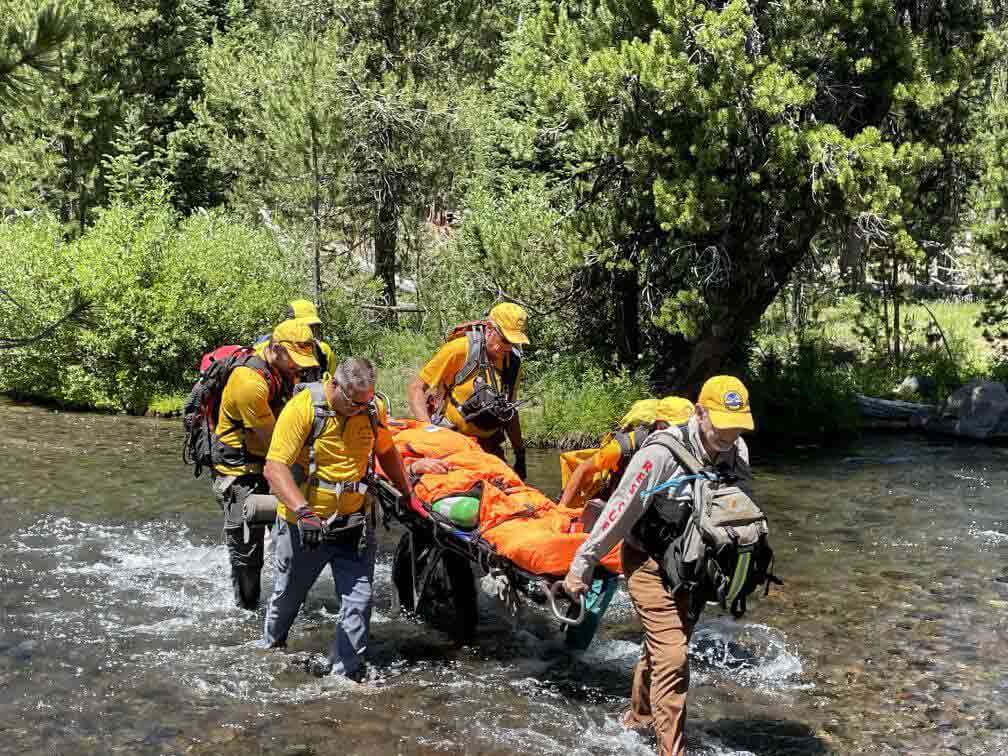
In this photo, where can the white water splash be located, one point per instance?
(752, 655)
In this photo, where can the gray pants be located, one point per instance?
(246, 556)
(297, 568)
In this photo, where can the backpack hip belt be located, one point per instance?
(340, 488)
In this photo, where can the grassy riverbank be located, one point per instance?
(799, 388)
(162, 289)
(570, 402)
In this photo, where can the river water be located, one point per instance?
(118, 634)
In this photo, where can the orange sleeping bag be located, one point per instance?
(522, 524)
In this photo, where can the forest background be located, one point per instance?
(810, 194)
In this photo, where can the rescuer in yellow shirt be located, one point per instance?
(252, 397)
(471, 383)
(333, 431)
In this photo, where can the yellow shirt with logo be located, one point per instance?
(341, 453)
(440, 372)
(245, 405)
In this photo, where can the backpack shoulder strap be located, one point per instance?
(679, 450)
(254, 362)
(509, 376)
(320, 405)
(323, 359)
(630, 443)
(475, 357)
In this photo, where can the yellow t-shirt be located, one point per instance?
(341, 452)
(440, 372)
(245, 404)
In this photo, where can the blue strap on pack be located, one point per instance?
(676, 482)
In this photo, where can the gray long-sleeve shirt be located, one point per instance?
(653, 465)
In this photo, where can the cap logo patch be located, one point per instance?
(733, 400)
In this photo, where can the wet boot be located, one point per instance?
(246, 565)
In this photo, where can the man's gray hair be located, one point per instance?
(355, 374)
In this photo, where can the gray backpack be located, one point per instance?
(723, 553)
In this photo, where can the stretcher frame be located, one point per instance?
(543, 590)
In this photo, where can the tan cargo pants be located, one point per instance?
(661, 677)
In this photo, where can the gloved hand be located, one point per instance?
(574, 586)
(519, 464)
(310, 527)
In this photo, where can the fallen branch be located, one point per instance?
(392, 308)
(77, 313)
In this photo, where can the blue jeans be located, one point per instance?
(297, 568)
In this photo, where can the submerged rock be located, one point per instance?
(978, 410)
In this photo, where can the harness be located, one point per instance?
(228, 455)
(322, 412)
(490, 406)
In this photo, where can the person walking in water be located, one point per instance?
(471, 383)
(332, 431)
(250, 402)
(713, 437)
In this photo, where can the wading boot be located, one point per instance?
(246, 565)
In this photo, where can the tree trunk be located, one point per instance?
(738, 306)
(316, 211)
(896, 309)
(385, 239)
(627, 298)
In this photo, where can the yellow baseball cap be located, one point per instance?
(302, 309)
(641, 412)
(296, 337)
(674, 410)
(512, 321)
(727, 401)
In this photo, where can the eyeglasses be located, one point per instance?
(500, 336)
(347, 398)
(302, 345)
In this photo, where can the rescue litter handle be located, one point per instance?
(552, 592)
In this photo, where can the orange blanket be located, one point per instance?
(523, 524)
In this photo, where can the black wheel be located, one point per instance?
(449, 601)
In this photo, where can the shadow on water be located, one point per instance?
(757, 737)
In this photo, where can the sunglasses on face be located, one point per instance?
(347, 398)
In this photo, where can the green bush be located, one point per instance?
(163, 292)
(802, 392)
(574, 401)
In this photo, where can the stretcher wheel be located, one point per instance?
(449, 599)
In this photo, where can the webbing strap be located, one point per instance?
(745, 554)
(344, 486)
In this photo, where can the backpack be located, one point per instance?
(723, 553)
(202, 409)
(490, 406)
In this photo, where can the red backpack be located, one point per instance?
(202, 409)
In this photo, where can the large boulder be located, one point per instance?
(977, 410)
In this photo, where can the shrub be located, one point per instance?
(802, 392)
(163, 291)
(575, 401)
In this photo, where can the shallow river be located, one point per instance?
(118, 634)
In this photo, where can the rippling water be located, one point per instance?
(117, 632)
